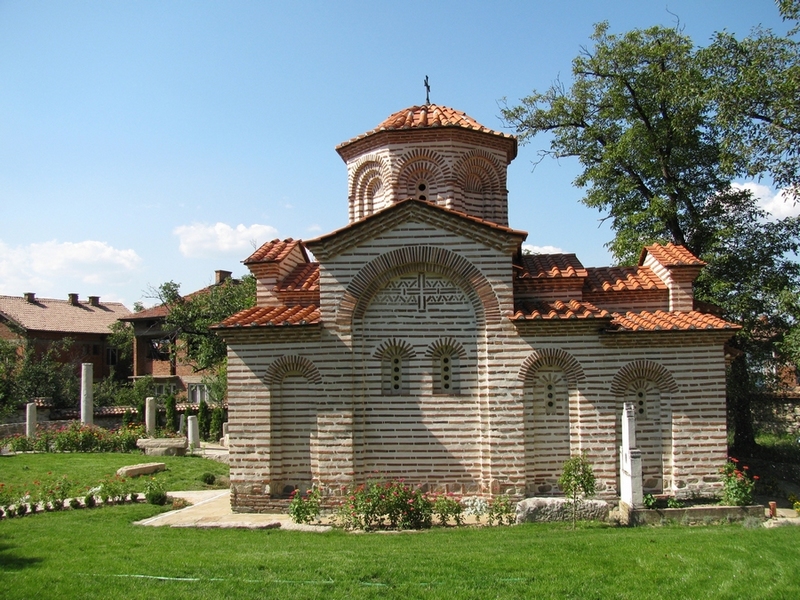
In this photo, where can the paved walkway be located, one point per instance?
(212, 508)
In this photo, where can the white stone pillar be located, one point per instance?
(194, 433)
(30, 420)
(182, 426)
(630, 460)
(150, 415)
(87, 399)
(225, 438)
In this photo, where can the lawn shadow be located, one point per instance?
(11, 562)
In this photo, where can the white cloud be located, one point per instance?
(777, 204)
(49, 268)
(541, 249)
(314, 228)
(201, 240)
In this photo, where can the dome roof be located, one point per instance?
(427, 116)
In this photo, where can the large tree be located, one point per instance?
(754, 84)
(640, 117)
(191, 316)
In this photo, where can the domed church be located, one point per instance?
(420, 342)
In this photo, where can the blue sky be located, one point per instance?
(142, 142)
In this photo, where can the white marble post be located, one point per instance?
(182, 426)
(225, 439)
(150, 415)
(87, 399)
(30, 420)
(194, 433)
(630, 463)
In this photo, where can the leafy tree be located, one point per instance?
(191, 316)
(577, 481)
(755, 85)
(642, 121)
(43, 373)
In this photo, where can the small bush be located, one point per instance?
(501, 510)
(649, 501)
(475, 506)
(737, 485)
(393, 504)
(305, 508)
(208, 478)
(154, 492)
(446, 507)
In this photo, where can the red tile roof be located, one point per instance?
(422, 203)
(274, 251)
(670, 321)
(621, 279)
(46, 314)
(304, 277)
(537, 266)
(671, 255)
(425, 116)
(558, 310)
(273, 315)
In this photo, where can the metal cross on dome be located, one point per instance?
(427, 91)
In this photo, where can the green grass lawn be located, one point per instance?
(88, 469)
(100, 554)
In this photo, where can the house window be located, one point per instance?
(164, 389)
(445, 371)
(159, 349)
(112, 356)
(197, 392)
(394, 379)
(96, 349)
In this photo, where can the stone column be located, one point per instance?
(182, 426)
(630, 460)
(194, 433)
(30, 420)
(150, 415)
(225, 438)
(87, 399)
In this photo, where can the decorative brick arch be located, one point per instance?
(285, 365)
(420, 165)
(643, 369)
(445, 344)
(402, 347)
(369, 178)
(481, 169)
(553, 357)
(381, 270)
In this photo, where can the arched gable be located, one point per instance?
(643, 369)
(381, 270)
(285, 365)
(553, 357)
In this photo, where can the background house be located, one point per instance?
(156, 351)
(43, 321)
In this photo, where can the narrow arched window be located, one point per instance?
(394, 379)
(445, 371)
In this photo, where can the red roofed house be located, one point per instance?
(425, 345)
(154, 351)
(43, 321)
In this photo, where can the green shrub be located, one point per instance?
(446, 507)
(203, 420)
(169, 413)
(577, 481)
(380, 504)
(305, 508)
(737, 485)
(208, 478)
(217, 419)
(154, 492)
(502, 510)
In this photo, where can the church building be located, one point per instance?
(420, 342)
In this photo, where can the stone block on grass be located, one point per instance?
(538, 510)
(141, 469)
(163, 446)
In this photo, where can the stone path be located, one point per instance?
(212, 508)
